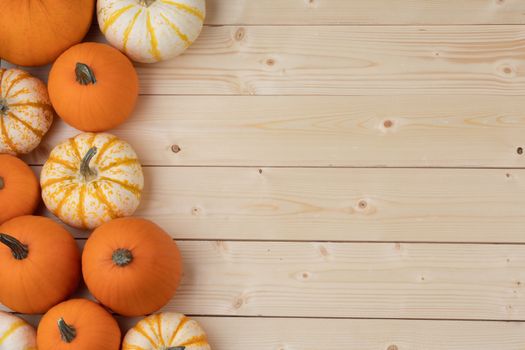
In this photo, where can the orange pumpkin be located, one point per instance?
(131, 266)
(78, 324)
(40, 264)
(35, 32)
(19, 189)
(93, 87)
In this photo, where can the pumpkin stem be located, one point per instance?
(67, 332)
(176, 348)
(19, 250)
(84, 73)
(2, 183)
(3, 106)
(85, 170)
(147, 3)
(122, 257)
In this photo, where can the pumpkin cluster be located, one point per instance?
(92, 181)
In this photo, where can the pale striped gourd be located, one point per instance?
(151, 30)
(166, 331)
(25, 111)
(91, 179)
(15, 333)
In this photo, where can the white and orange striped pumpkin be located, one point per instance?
(165, 331)
(15, 333)
(91, 179)
(151, 30)
(25, 111)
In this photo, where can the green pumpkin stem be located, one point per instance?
(68, 333)
(176, 348)
(2, 183)
(84, 73)
(122, 257)
(146, 3)
(85, 170)
(19, 250)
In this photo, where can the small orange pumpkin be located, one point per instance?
(40, 264)
(78, 324)
(131, 266)
(93, 87)
(35, 32)
(19, 189)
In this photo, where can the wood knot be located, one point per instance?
(221, 246)
(362, 204)
(507, 70)
(519, 150)
(388, 124)
(239, 34)
(260, 171)
(323, 251)
(238, 303)
(392, 347)
(175, 148)
(270, 62)
(195, 211)
(305, 275)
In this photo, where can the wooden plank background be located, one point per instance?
(342, 131)
(338, 204)
(340, 174)
(344, 12)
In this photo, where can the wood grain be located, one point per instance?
(353, 280)
(399, 131)
(333, 60)
(329, 334)
(345, 61)
(314, 12)
(446, 205)
(374, 280)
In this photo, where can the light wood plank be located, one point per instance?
(337, 204)
(239, 333)
(333, 60)
(353, 280)
(374, 280)
(305, 334)
(425, 131)
(375, 60)
(365, 12)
